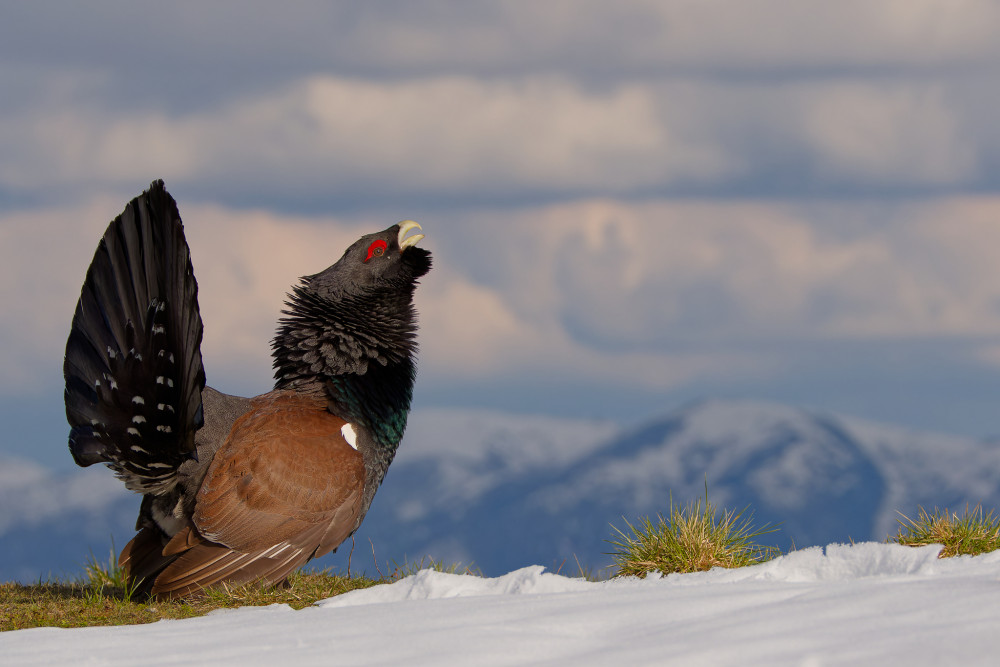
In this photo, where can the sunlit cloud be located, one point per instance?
(657, 292)
(328, 132)
(637, 194)
(659, 274)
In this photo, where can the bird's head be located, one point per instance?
(356, 311)
(386, 260)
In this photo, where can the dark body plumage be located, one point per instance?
(239, 489)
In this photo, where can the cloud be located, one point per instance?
(654, 294)
(584, 39)
(39, 250)
(443, 135)
(889, 134)
(503, 99)
(655, 163)
(813, 34)
(667, 274)
(456, 138)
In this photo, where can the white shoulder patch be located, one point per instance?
(350, 435)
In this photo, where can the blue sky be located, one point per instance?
(632, 205)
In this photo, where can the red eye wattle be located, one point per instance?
(376, 249)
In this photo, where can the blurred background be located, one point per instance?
(632, 206)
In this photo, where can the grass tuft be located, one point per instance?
(100, 579)
(691, 539)
(971, 534)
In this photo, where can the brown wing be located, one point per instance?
(284, 487)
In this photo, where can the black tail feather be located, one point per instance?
(133, 365)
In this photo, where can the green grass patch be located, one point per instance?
(971, 534)
(691, 538)
(102, 596)
(96, 602)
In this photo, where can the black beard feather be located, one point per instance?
(320, 338)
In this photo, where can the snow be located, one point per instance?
(868, 603)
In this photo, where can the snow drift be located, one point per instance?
(842, 605)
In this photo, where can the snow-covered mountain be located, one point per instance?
(505, 491)
(822, 477)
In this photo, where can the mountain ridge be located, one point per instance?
(818, 476)
(504, 491)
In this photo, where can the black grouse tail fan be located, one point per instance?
(236, 489)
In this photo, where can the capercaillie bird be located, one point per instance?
(236, 490)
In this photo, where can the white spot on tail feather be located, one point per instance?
(350, 435)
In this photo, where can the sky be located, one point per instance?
(869, 604)
(631, 205)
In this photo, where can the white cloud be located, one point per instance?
(898, 133)
(468, 328)
(325, 132)
(656, 293)
(583, 118)
(753, 34)
(522, 136)
(39, 250)
(585, 38)
(654, 275)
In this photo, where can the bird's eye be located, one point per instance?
(376, 249)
